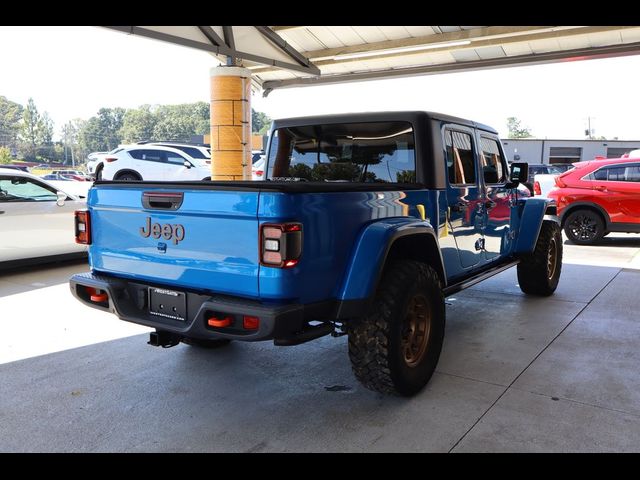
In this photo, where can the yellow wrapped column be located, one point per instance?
(230, 123)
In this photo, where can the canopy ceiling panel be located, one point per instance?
(290, 56)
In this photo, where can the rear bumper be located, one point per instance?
(285, 324)
(129, 301)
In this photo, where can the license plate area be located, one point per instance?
(167, 303)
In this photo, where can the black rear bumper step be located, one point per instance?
(285, 324)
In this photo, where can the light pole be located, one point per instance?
(65, 146)
(589, 132)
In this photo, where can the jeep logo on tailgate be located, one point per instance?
(167, 231)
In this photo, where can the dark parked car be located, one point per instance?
(543, 168)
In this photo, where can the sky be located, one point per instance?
(71, 72)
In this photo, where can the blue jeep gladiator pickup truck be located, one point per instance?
(363, 225)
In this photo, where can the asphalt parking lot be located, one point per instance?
(556, 374)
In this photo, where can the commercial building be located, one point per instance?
(533, 150)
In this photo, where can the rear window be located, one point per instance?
(345, 152)
(191, 151)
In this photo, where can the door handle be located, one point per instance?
(1, 212)
(162, 200)
(600, 188)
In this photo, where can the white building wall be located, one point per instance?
(537, 151)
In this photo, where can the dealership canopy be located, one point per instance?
(289, 56)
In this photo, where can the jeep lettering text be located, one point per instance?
(167, 231)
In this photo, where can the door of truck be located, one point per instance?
(497, 200)
(464, 194)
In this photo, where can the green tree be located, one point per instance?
(44, 130)
(181, 122)
(102, 132)
(138, 124)
(5, 155)
(44, 138)
(202, 121)
(69, 140)
(91, 137)
(75, 127)
(10, 117)
(29, 130)
(110, 121)
(260, 122)
(173, 127)
(516, 130)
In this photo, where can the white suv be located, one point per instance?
(195, 151)
(95, 161)
(153, 162)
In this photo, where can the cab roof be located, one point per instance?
(413, 116)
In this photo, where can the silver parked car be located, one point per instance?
(36, 220)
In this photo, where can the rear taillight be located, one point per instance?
(280, 244)
(110, 159)
(259, 172)
(536, 188)
(83, 227)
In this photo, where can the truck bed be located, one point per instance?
(220, 222)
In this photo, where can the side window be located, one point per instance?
(137, 154)
(493, 170)
(600, 174)
(615, 174)
(175, 158)
(620, 173)
(194, 152)
(153, 156)
(460, 163)
(21, 189)
(632, 173)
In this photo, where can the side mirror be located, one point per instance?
(519, 173)
(61, 197)
(187, 164)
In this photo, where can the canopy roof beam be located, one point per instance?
(219, 46)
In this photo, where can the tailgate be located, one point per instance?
(182, 237)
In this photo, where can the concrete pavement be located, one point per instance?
(517, 373)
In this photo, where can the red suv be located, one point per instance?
(598, 197)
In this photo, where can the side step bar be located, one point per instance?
(456, 287)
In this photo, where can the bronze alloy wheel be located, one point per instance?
(416, 330)
(552, 258)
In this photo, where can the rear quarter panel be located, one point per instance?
(332, 224)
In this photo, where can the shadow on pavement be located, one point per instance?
(630, 241)
(23, 279)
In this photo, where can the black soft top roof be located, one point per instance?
(409, 116)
